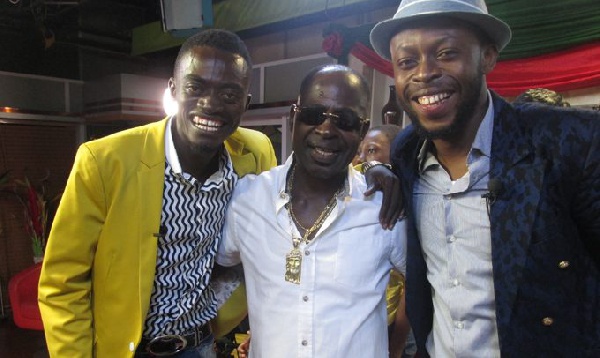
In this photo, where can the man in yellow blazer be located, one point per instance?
(129, 259)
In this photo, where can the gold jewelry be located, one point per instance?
(293, 260)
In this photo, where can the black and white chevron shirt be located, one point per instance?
(193, 215)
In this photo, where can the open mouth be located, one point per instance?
(208, 125)
(433, 99)
(324, 153)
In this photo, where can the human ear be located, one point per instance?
(171, 85)
(489, 55)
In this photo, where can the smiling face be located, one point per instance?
(324, 150)
(439, 71)
(210, 87)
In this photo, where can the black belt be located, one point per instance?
(170, 344)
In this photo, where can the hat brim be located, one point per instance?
(497, 30)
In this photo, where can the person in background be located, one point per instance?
(316, 285)
(376, 147)
(541, 95)
(376, 144)
(502, 201)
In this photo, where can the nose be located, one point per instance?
(209, 101)
(427, 70)
(362, 155)
(325, 127)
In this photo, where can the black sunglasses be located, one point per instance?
(345, 119)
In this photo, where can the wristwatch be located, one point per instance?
(370, 164)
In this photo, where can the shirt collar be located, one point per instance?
(482, 141)
(173, 158)
(170, 152)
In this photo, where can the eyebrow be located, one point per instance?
(196, 78)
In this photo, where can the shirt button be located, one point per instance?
(306, 252)
(547, 321)
(283, 195)
(455, 282)
(305, 342)
(564, 264)
(459, 325)
(305, 298)
(452, 238)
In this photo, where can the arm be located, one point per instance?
(233, 311)
(399, 327)
(381, 178)
(65, 282)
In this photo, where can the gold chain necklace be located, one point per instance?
(293, 260)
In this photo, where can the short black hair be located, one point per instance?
(308, 79)
(217, 38)
(389, 130)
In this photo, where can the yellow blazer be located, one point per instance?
(100, 261)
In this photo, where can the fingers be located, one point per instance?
(391, 208)
(244, 347)
(372, 189)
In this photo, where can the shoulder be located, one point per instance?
(144, 143)
(252, 140)
(545, 125)
(251, 151)
(129, 137)
(261, 185)
(541, 120)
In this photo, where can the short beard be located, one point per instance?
(463, 116)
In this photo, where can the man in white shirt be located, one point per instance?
(315, 257)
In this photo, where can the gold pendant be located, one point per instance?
(293, 263)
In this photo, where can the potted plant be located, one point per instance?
(35, 204)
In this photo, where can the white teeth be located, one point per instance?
(435, 99)
(208, 124)
(323, 152)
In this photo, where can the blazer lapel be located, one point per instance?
(150, 178)
(418, 290)
(521, 171)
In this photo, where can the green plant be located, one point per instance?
(36, 214)
(35, 210)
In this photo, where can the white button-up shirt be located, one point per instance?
(338, 309)
(453, 223)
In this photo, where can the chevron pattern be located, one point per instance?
(192, 215)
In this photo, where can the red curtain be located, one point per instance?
(575, 68)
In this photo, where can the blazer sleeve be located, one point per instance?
(587, 202)
(65, 282)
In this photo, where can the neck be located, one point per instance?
(308, 186)
(312, 200)
(201, 165)
(452, 152)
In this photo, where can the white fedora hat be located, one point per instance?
(472, 11)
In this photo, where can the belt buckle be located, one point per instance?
(178, 344)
